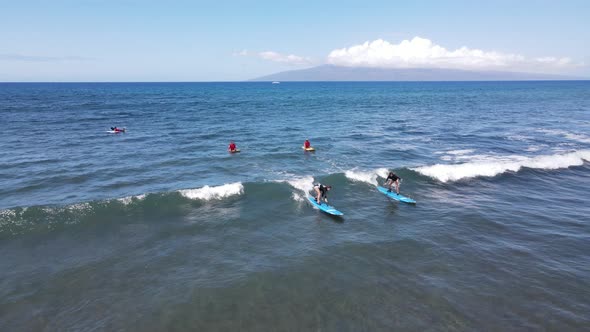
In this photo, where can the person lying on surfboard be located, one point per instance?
(232, 147)
(117, 130)
(321, 192)
(306, 144)
(392, 179)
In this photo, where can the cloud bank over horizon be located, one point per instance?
(288, 59)
(423, 53)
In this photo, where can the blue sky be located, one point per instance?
(129, 40)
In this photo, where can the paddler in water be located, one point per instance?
(232, 147)
(321, 192)
(306, 144)
(392, 179)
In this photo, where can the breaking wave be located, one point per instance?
(22, 219)
(366, 176)
(130, 199)
(207, 193)
(302, 184)
(494, 165)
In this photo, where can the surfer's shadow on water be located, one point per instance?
(309, 155)
(391, 209)
(324, 217)
(320, 214)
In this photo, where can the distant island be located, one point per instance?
(338, 73)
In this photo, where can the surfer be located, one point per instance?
(392, 179)
(117, 130)
(306, 144)
(232, 147)
(321, 192)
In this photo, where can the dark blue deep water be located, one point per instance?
(161, 229)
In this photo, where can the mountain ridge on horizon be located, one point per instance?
(341, 73)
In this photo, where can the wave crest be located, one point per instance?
(130, 199)
(494, 165)
(303, 184)
(207, 193)
(366, 176)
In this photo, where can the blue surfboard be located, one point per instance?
(325, 207)
(395, 196)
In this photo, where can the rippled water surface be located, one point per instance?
(160, 228)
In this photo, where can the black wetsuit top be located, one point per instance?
(323, 190)
(393, 177)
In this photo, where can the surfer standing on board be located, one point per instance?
(321, 192)
(392, 179)
(231, 147)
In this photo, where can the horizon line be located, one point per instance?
(300, 81)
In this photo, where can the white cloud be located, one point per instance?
(241, 53)
(423, 53)
(287, 59)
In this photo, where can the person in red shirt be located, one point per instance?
(231, 147)
(307, 145)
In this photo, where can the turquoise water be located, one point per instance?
(160, 228)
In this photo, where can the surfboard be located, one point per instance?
(119, 130)
(325, 207)
(397, 197)
(310, 149)
(235, 151)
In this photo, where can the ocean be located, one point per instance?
(161, 229)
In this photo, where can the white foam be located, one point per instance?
(551, 131)
(494, 165)
(78, 207)
(302, 184)
(476, 157)
(129, 199)
(8, 213)
(456, 154)
(521, 138)
(366, 176)
(577, 137)
(298, 197)
(208, 193)
(571, 136)
(459, 152)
